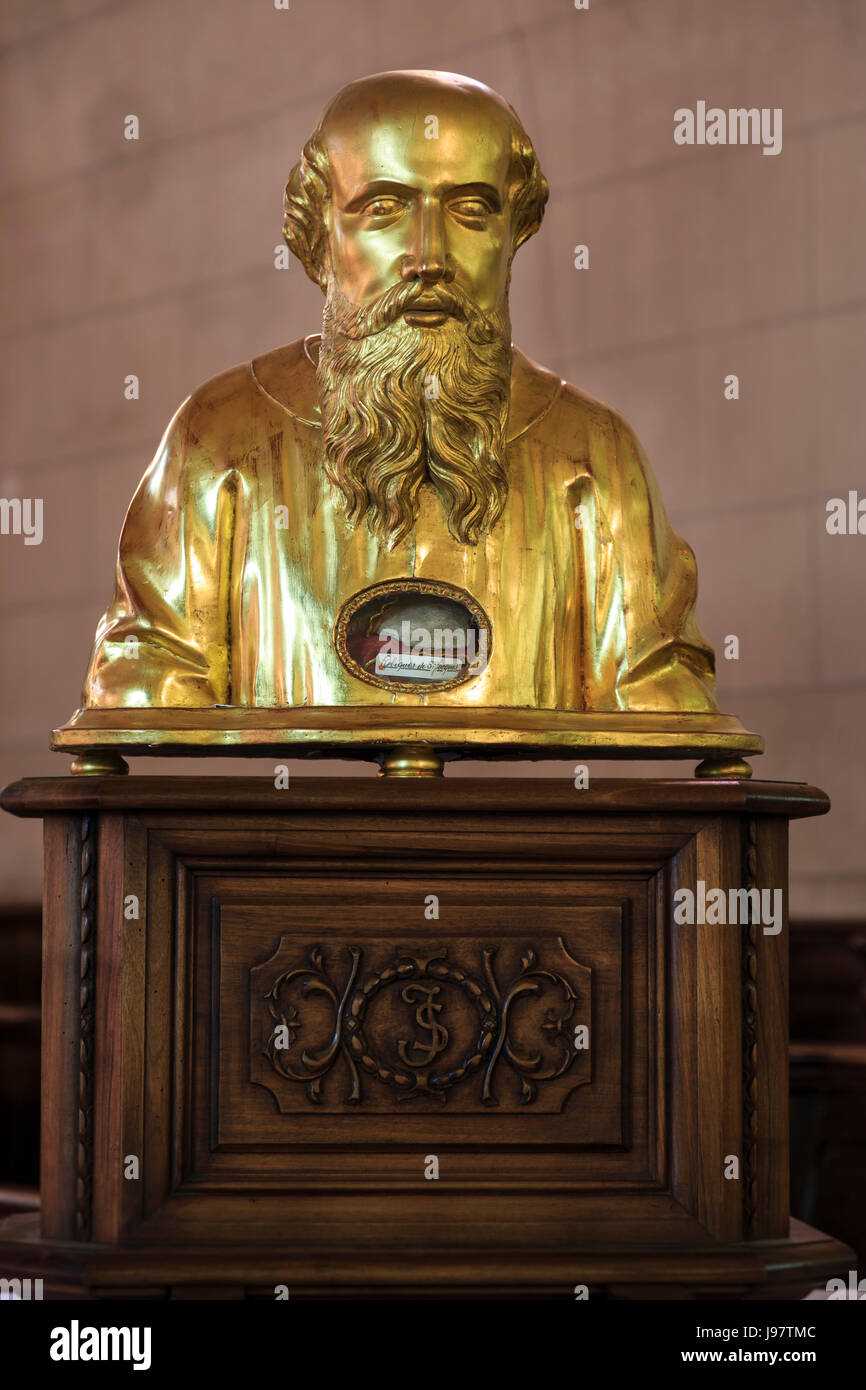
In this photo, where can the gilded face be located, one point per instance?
(419, 191)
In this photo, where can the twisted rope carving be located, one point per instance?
(87, 957)
(750, 1037)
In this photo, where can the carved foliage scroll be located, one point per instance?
(399, 1024)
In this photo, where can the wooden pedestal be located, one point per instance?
(271, 1017)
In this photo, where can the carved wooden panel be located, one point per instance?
(427, 1024)
(397, 1029)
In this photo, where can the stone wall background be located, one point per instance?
(156, 257)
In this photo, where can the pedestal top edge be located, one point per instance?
(35, 796)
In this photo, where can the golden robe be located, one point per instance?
(236, 558)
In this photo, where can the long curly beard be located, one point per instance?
(402, 406)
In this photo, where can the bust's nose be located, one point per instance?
(428, 259)
(430, 269)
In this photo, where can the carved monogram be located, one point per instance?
(422, 1023)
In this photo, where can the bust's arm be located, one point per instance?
(670, 663)
(163, 640)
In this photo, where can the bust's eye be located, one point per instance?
(472, 208)
(382, 207)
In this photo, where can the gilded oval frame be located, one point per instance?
(436, 587)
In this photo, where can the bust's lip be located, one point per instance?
(429, 318)
(428, 310)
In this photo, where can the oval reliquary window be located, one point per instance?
(413, 635)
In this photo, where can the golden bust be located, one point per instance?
(401, 532)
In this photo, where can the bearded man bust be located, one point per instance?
(407, 456)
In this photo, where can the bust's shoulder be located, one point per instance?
(283, 379)
(563, 414)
